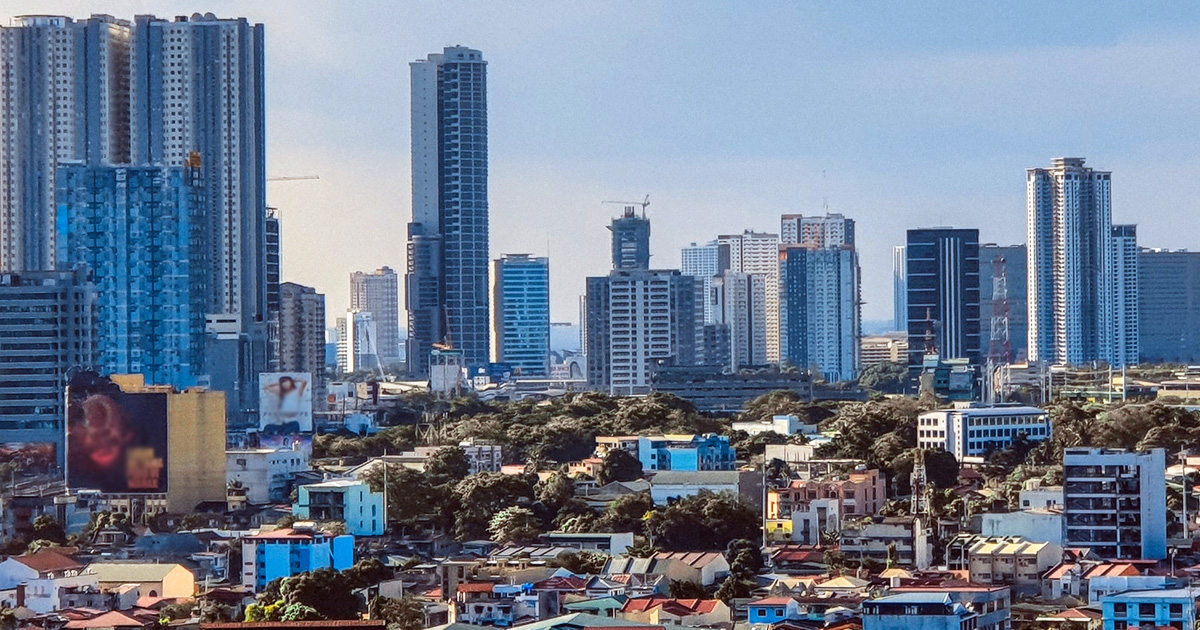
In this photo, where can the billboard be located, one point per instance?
(285, 404)
(283, 441)
(30, 457)
(116, 442)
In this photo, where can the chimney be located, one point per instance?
(20, 595)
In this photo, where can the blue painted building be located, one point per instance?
(521, 321)
(1174, 607)
(686, 452)
(287, 552)
(134, 229)
(773, 610)
(347, 500)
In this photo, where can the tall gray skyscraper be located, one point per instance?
(1126, 334)
(1072, 268)
(703, 262)
(521, 323)
(1003, 306)
(630, 240)
(64, 95)
(1169, 306)
(899, 288)
(377, 293)
(446, 284)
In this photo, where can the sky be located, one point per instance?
(898, 115)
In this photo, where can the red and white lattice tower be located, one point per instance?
(1000, 351)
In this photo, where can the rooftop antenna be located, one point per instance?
(825, 197)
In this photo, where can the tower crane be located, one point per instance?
(292, 178)
(643, 203)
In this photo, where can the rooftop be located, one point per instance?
(48, 561)
(129, 572)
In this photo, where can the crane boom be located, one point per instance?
(292, 178)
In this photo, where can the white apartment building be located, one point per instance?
(265, 473)
(703, 262)
(876, 349)
(739, 300)
(831, 230)
(1073, 275)
(758, 253)
(357, 342)
(971, 430)
(651, 316)
(1114, 502)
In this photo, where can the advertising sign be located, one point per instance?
(117, 442)
(282, 441)
(30, 457)
(285, 404)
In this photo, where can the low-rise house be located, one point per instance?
(350, 501)
(993, 604)
(599, 498)
(600, 587)
(37, 581)
(1034, 494)
(1032, 524)
(678, 612)
(642, 584)
(842, 585)
(771, 610)
(1091, 580)
(480, 458)
(705, 568)
(588, 467)
(610, 543)
(927, 611)
(873, 537)
(782, 424)
(686, 452)
(115, 620)
(289, 551)
(600, 606)
(606, 443)
(1010, 560)
(676, 484)
(153, 580)
(1088, 618)
(1174, 608)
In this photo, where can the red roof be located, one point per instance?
(284, 533)
(561, 583)
(1078, 613)
(111, 619)
(475, 588)
(48, 561)
(1112, 569)
(677, 607)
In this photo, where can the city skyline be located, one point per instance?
(569, 148)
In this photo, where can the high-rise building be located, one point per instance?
(378, 293)
(1072, 310)
(446, 283)
(135, 230)
(47, 323)
(830, 230)
(1126, 338)
(64, 95)
(630, 240)
(899, 288)
(358, 346)
(274, 278)
(521, 323)
(635, 319)
(301, 329)
(758, 253)
(819, 293)
(1169, 306)
(740, 300)
(942, 272)
(1113, 502)
(703, 262)
(1012, 261)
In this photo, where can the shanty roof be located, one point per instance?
(48, 561)
(695, 559)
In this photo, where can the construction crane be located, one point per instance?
(293, 178)
(643, 203)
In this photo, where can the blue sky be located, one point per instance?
(728, 114)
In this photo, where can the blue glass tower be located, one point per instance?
(138, 231)
(522, 319)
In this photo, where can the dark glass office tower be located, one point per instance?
(943, 294)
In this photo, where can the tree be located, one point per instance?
(368, 572)
(555, 491)
(618, 465)
(627, 514)
(405, 613)
(409, 492)
(192, 521)
(483, 495)
(887, 377)
(326, 591)
(783, 402)
(46, 528)
(581, 562)
(687, 589)
(448, 464)
(300, 612)
(704, 521)
(747, 445)
(514, 524)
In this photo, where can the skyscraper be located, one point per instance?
(358, 347)
(703, 262)
(1126, 337)
(1169, 306)
(830, 230)
(630, 240)
(819, 292)
(377, 293)
(1013, 260)
(64, 95)
(636, 318)
(740, 301)
(942, 271)
(446, 284)
(521, 323)
(301, 329)
(134, 230)
(899, 289)
(1072, 307)
(47, 324)
(758, 253)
